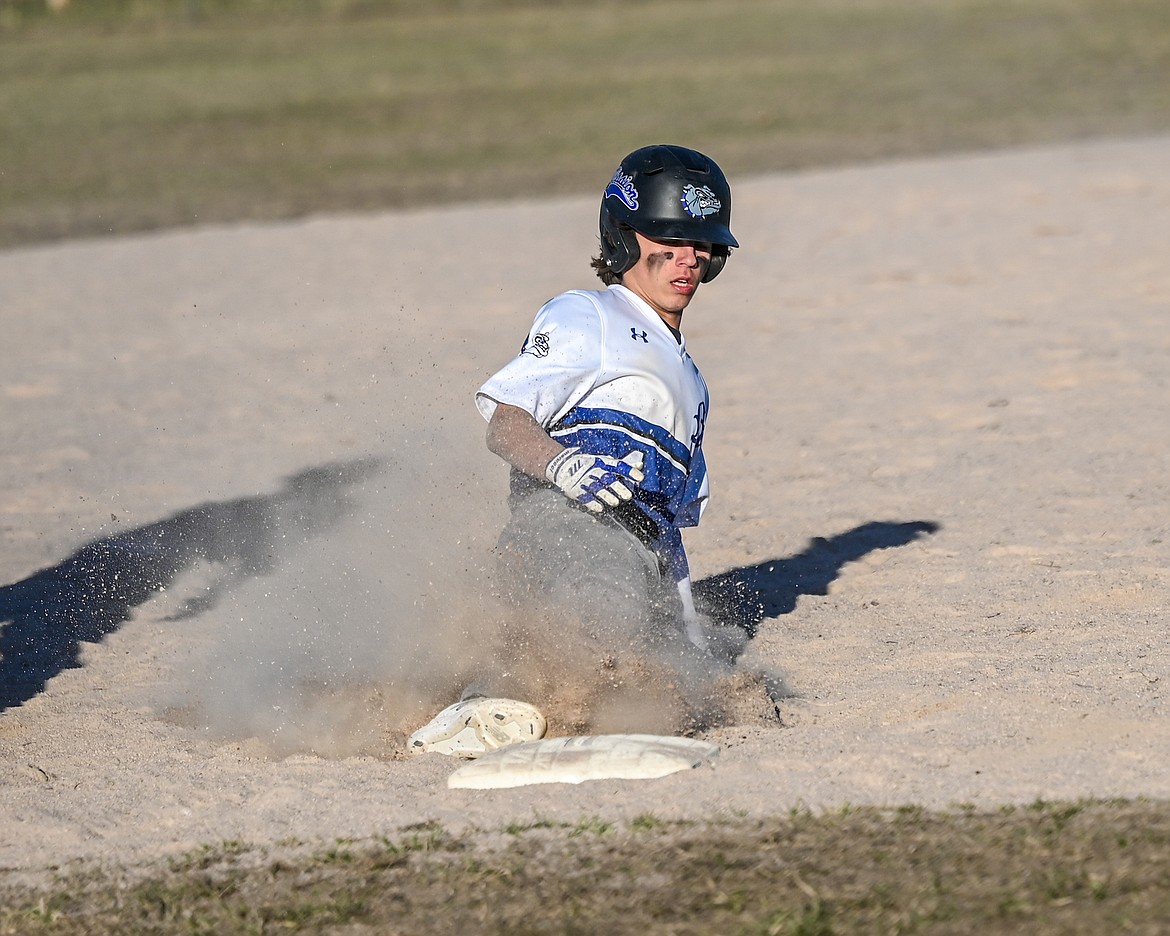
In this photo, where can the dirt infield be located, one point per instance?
(246, 506)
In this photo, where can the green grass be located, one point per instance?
(119, 117)
(1047, 869)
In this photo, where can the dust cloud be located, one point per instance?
(360, 629)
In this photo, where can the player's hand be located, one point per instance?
(595, 481)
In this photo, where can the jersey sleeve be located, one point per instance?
(557, 366)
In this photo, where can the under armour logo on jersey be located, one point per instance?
(537, 347)
(635, 334)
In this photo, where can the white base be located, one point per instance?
(588, 757)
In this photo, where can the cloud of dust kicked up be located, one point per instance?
(386, 608)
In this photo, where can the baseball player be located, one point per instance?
(601, 415)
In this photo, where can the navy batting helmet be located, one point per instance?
(666, 193)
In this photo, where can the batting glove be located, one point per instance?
(595, 481)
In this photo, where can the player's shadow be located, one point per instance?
(48, 616)
(746, 596)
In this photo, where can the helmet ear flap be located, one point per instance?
(619, 245)
(718, 258)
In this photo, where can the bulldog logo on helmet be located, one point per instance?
(700, 202)
(621, 187)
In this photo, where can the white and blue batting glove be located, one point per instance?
(595, 481)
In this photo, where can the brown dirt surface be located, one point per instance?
(248, 515)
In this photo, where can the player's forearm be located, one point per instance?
(520, 441)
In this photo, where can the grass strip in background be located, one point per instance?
(1049, 869)
(127, 116)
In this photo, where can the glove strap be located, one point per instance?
(551, 469)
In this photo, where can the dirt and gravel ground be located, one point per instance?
(246, 507)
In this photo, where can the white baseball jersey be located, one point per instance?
(602, 371)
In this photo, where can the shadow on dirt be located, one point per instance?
(746, 596)
(47, 616)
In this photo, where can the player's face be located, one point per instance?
(667, 274)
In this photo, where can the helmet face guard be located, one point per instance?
(666, 193)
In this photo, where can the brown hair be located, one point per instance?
(604, 273)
